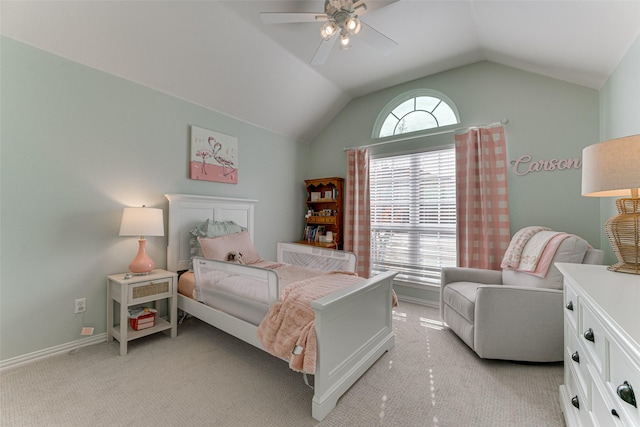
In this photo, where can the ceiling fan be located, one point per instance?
(341, 20)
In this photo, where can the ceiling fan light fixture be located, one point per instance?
(328, 30)
(353, 25)
(344, 41)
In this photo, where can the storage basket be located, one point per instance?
(144, 321)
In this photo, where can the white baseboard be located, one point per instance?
(420, 301)
(428, 295)
(47, 352)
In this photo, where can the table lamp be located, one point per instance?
(612, 168)
(142, 222)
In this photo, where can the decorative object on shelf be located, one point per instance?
(214, 156)
(612, 168)
(142, 222)
(142, 318)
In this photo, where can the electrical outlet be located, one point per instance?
(81, 305)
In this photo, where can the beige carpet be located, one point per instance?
(207, 378)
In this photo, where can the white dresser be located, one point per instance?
(602, 347)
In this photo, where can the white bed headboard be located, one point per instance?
(186, 211)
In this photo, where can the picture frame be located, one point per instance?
(315, 196)
(214, 156)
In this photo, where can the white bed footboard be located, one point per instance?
(353, 329)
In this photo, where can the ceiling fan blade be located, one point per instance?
(376, 39)
(323, 51)
(289, 18)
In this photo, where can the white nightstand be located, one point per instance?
(156, 286)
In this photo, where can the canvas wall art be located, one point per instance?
(214, 156)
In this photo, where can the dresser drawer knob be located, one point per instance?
(575, 357)
(615, 413)
(570, 305)
(625, 391)
(575, 402)
(588, 335)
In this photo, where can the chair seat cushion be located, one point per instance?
(461, 297)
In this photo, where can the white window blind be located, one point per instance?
(413, 214)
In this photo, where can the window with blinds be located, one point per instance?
(413, 214)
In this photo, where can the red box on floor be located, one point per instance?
(144, 321)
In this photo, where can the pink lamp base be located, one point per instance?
(142, 264)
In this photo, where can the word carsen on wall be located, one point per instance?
(523, 165)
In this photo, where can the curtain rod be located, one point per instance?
(502, 122)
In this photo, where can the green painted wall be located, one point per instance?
(548, 119)
(620, 116)
(78, 145)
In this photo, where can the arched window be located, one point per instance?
(414, 111)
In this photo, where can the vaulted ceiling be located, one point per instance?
(219, 54)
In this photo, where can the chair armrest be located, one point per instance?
(519, 323)
(476, 275)
(463, 274)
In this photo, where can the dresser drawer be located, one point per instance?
(571, 306)
(624, 377)
(575, 356)
(150, 291)
(318, 219)
(604, 411)
(593, 340)
(577, 403)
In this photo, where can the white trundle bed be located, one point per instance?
(353, 326)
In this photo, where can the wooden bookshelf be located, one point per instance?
(325, 206)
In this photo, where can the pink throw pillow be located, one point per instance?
(218, 248)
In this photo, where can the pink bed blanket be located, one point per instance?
(288, 330)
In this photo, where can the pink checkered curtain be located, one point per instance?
(357, 223)
(482, 198)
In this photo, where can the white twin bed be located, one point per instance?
(353, 325)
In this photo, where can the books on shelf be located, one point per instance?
(312, 233)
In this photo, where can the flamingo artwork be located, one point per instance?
(204, 154)
(213, 156)
(223, 161)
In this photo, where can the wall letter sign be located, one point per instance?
(523, 165)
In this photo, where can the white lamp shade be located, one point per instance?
(611, 168)
(142, 222)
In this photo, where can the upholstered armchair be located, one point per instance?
(508, 314)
